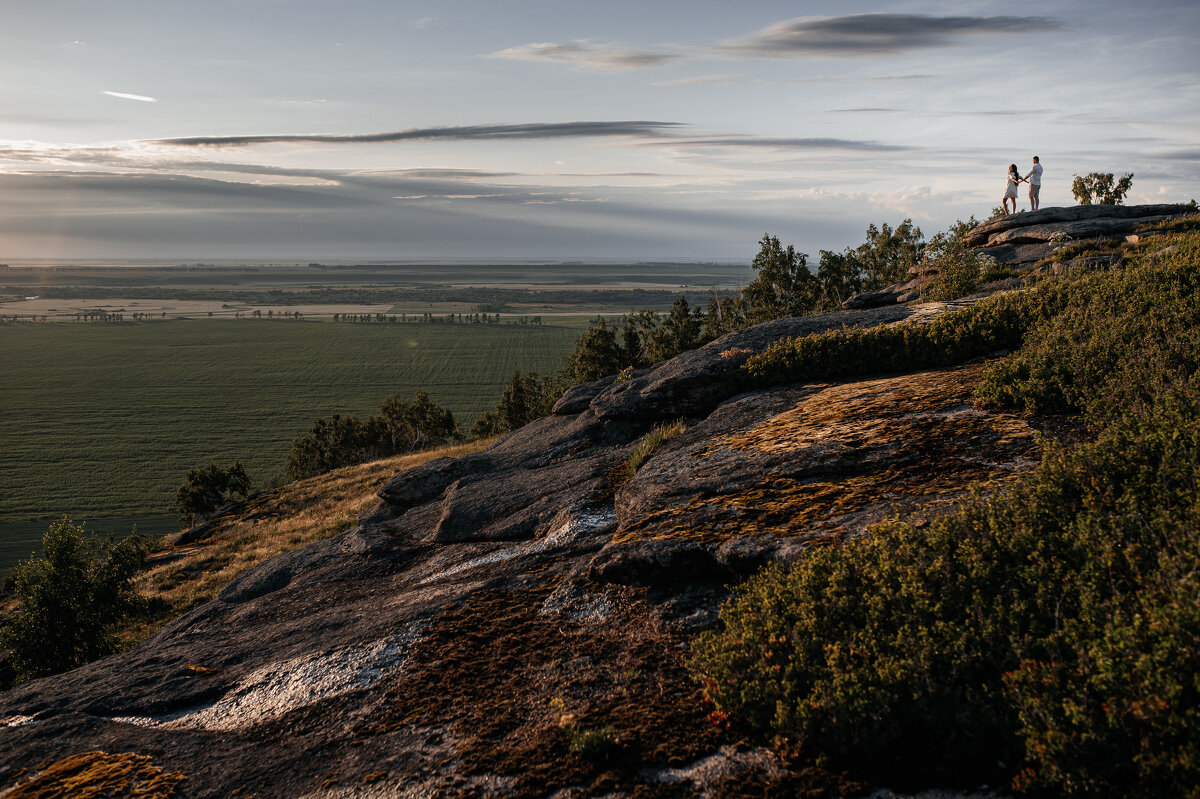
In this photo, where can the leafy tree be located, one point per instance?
(208, 488)
(70, 598)
(679, 332)
(409, 426)
(330, 444)
(631, 340)
(1097, 188)
(723, 315)
(399, 427)
(841, 277)
(596, 354)
(526, 397)
(884, 258)
(783, 287)
(888, 254)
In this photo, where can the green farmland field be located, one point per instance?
(103, 421)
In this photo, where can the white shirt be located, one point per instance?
(1035, 175)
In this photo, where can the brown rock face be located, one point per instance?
(514, 622)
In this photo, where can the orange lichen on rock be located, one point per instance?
(845, 456)
(92, 775)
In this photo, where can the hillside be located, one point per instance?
(518, 620)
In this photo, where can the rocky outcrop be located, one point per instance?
(1075, 221)
(1024, 238)
(514, 622)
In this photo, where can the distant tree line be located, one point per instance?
(24, 318)
(432, 318)
(271, 314)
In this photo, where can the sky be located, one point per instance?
(548, 129)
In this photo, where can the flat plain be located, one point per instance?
(104, 420)
(101, 421)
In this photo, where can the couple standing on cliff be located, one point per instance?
(1034, 179)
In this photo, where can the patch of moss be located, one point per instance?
(98, 775)
(499, 678)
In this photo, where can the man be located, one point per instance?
(1035, 184)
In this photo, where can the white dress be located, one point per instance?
(1011, 189)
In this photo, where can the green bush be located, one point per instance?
(526, 397)
(998, 323)
(590, 741)
(1055, 624)
(961, 269)
(70, 598)
(208, 488)
(1121, 338)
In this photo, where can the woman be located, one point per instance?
(1010, 191)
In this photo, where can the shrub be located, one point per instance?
(1122, 338)
(1050, 622)
(961, 269)
(207, 489)
(330, 444)
(997, 323)
(70, 598)
(590, 741)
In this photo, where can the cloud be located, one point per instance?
(876, 33)
(126, 216)
(793, 143)
(700, 80)
(855, 34)
(554, 130)
(141, 98)
(581, 54)
(732, 78)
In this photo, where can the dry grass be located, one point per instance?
(92, 775)
(178, 579)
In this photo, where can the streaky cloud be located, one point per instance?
(554, 130)
(792, 143)
(582, 54)
(141, 98)
(857, 34)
